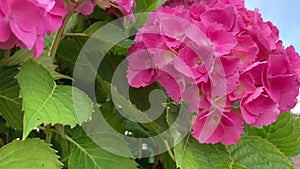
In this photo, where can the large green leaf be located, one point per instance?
(111, 115)
(143, 7)
(238, 166)
(28, 154)
(190, 154)
(130, 110)
(147, 5)
(115, 39)
(10, 103)
(257, 153)
(250, 152)
(23, 55)
(48, 103)
(167, 161)
(88, 155)
(284, 133)
(95, 27)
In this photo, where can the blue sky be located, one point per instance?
(285, 14)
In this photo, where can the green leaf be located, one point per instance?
(94, 28)
(190, 154)
(116, 47)
(167, 161)
(10, 103)
(88, 155)
(147, 5)
(72, 22)
(238, 166)
(111, 115)
(48, 103)
(143, 7)
(49, 40)
(130, 110)
(48, 63)
(68, 51)
(284, 133)
(179, 128)
(23, 55)
(28, 154)
(19, 57)
(257, 153)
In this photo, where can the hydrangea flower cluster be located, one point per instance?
(116, 7)
(221, 59)
(25, 22)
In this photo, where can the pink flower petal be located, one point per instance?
(258, 109)
(38, 47)
(87, 7)
(170, 84)
(28, 38)
(21, 15)
(217, 126)
(5, 31)
(225, 17)
(141, 78)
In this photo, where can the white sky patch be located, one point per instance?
(296, 109)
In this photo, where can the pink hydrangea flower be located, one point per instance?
(44, 16)
(87, 7)
(15, 17)
(142, 71)
(258, 109)
(281, 81)
(213, 54)
(51, 21)
(126, 7)
(196, 98)
(246, 49)
(244, 87)
(119, 8)
(217, 126)
(294, 60)
(172, 81)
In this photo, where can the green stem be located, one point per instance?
(48, 133)
(75, 34)
(60, 32)
(169, 150)
(140, 148)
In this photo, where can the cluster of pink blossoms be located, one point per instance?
(25, 22)
(221, 59)
(116, 7)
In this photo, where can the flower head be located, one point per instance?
(25, 22)
(214, 54)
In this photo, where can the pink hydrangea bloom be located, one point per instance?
(87, 7)
(126, 7)
(142, 71)
(217, 126)
(258, 109)
(281, 81)
(213, 54)
(172, 81)
(196, 98)
(44, 16)
(51, 21)
(244, 87)
(294, 60)
(15, 17)
(119, 8)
